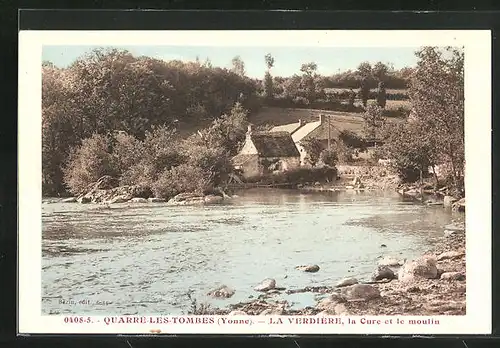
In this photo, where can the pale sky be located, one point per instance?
(288, 60)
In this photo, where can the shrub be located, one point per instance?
(329, 157)
(160, 152)
(213, 162)
(179, 179)
(298, 176)
(88, 162)
(127, 152)
(313, 148)
(343, 152)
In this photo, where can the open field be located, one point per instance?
(389, 91)
(279, 116)
(396, 104)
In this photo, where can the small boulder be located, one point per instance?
(69, 200)
(452, 276)
(221, 292)
(237, 313)
(383, 272)
(390, 261)
(383, 246)
(156, 200)
(84, 199)
(450, 255)
(448, 201)
(266, 285)
(308, 268)
(120, 199)
(450, 233)
(326, 304)
(341, 309)
(424, 267)
(360, 292)
(212, 199)
(346, 282)
(459, 205)
(138, 200)
(455, 227)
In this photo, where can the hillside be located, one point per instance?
(280, 116)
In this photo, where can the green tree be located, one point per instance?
(437, 97)
(238, 66)
(381, 95)
(269, 59)
(329, 157)
(226, 132)
(380, 71)
(308, 83)
(364, 71)
(373, 122)
(410, 150)
(364, 91)
(313, 148)
(268, 79)
(88, 162)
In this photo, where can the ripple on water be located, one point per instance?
(145, 260)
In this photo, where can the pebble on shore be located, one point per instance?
(430, 286)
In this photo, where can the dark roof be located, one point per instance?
(321, 132)
(275, 144)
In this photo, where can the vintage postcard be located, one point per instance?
(255, 182)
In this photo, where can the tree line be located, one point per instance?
(110, 90)
(110, 113)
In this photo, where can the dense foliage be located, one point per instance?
(162, 162)
(434, 133)
(111, 90)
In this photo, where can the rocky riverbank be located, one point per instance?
(433, 284)
(105, 191)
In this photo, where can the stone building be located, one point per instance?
(266, 152)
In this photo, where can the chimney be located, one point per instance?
(249, 130)
(321, 118)
(301, 123)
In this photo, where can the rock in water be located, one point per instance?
(382, 272)
(266, 285)
(84, 199)
(212, 199)
(138, 200)
(452, 276)
(360, 292)
(69, 200)
(459, 205)
(424, 267)
(222, 292)
(389, 261)
(450, 255)
(346, 282)
(156, 200)
(455, 227)
(448, 201)
(237, 313)
(308, 268)
(120, 199)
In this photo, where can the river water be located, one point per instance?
(145, 258)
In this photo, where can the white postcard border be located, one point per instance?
(477, 45)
